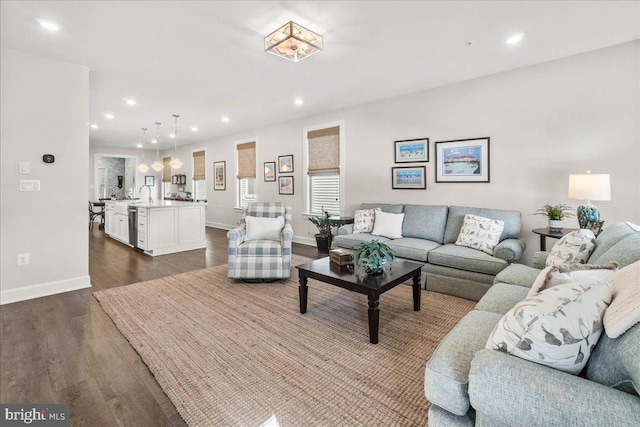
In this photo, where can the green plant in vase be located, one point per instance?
(555, 213)
(323, 238)
(372, 256)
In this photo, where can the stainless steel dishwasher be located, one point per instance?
(133, 226)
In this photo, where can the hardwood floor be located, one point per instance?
(65, 349)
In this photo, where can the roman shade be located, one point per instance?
(166, 172)
(246, 160)
(198, 166)
(324, 151)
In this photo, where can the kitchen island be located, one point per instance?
(157, 228)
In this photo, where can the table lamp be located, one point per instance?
(589, 187)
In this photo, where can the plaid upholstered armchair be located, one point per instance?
(265, 251)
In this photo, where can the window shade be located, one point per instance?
(247, 160)
(325, 190)
(324, 151)
(198, 166)
(166, 172)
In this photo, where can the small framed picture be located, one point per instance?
(285, 164)
(269, 171)
(463, 160)
(408, 178)
(412, 150)
(150, 180)
(219, 176)
(174, 179)
(285, 185)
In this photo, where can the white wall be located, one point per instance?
(545, 122)
(44, 110)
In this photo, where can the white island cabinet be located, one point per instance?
(163, 227)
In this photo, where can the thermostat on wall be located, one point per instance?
(48, 158)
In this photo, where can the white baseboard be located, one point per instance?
(220, 225)
(44, 289)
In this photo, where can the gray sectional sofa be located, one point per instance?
(429, 233)
(469, 385)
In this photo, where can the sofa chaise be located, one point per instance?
(469, 385)
(428, 236)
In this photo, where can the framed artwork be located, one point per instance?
(269, 171)
(150, 180)
(219, 176)
(408, 177)
(174, 179)
(285, 185)
(463, 160)
(285, 164)
(412, 150)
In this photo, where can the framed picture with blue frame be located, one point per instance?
(463, 160)
(411, 150)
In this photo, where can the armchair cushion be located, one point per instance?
(260, 247)
(259, 228)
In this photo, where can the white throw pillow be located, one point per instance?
(363, 221)
(624, 311)
(558, 327)
(263, 228)
(480, 233)
(388, 224)
(575, 247)
(561, 274)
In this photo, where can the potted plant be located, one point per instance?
(372, 256)
(555, 213)
(323, 238)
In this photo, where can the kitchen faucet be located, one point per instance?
(149, 188)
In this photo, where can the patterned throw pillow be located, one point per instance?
(574, 248)
(480, 233)
(560, 274)
(624, 311)
(363, 221)
(557, 327)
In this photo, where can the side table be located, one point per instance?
(338, 221)
(547, 232)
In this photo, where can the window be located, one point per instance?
(246, 166)
(323, 148)
(166, 177)
(199, 176)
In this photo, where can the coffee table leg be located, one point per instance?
(302, 291)
(416, 292)
(374, 319)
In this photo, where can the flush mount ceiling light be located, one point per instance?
(48, 25)
(515, 39)
(293, 42)
(130, 101)
(109, 116)
(94, 126)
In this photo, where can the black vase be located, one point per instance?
(323, 242)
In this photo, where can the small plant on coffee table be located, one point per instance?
(372, 256)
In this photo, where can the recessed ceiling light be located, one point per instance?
(194, 129)
(130, 101)
(515, 39)
(298, 101)
(225, 119)
(109, 116)
(171, 135)
(94, 126)
(154, 141)
(48, 25)
(139, 145)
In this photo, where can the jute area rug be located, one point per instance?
(235, 354)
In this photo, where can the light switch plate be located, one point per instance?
(25, 167)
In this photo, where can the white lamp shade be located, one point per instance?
(590, 187)
(142, 168)
(175, 163)
(157, 166)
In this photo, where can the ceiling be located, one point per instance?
(205, 60)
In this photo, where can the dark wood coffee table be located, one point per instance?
(372, 286)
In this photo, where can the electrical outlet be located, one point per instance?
(23, 259)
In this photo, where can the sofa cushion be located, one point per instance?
(615, 363)
(624, 311)
(425, 222)
(518, 274)
(441, 418)
(559, 274)
(462, 258)
(350, 240)
(384, 207)
(609, 237)
(480, 233)
(575, 247)
(363, 221)
(411, 248)
(455, 218)
(501, 298)
(625, 252)
(446, 376)
(388, 224)
(557, 328)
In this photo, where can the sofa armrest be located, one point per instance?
(539, 259)
(345, 229)
(509, 250)
(537, 395)
(236, 236)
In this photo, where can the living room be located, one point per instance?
(558, 106)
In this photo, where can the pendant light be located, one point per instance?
(157, 165)
(175, 162)
(142, 167)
